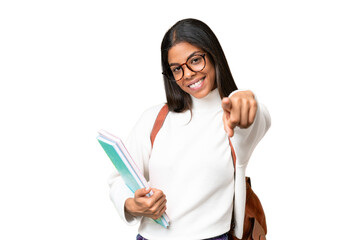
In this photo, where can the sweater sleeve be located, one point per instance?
(119, 193)
(139, 146)
(244, 142)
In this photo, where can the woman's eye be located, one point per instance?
(195, 60)
(175, 69)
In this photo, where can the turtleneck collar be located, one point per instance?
(210, 101)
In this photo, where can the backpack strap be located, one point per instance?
(158, 123)
(160, 119)
(233, 154)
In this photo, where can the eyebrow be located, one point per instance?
(174, 64)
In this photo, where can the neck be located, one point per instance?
(210, 101)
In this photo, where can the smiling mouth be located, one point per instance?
(196, 84)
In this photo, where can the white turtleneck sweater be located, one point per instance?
(191, 163)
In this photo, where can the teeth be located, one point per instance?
(196, 84)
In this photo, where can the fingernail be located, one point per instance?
(147, 188)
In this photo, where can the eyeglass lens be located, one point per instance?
(196, 63)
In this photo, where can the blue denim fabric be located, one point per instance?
(221, 237)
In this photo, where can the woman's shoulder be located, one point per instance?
(148, 117)
(145, 123)
(151, 112)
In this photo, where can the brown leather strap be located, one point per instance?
(158, 123)
(258, 231)
(233, 154)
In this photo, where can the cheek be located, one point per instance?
(211, 71)
(180, 84)
(212, 77)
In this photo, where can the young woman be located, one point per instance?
(190, 167)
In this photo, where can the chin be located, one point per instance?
(201, 94)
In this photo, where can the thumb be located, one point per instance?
(142, 192)
(226, 104)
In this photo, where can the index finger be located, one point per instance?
(226, 104)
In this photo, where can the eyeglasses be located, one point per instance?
(195, 63)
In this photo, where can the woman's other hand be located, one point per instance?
(239, 110)
(142, 205)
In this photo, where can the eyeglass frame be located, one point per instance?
(185, 63)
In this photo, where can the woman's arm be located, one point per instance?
(246, 122)
(239, 110)
(132, 206)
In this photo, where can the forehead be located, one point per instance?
(181, 51)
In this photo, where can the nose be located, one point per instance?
(187, 72)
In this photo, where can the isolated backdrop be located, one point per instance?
(70, 68)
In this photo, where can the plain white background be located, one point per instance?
(70, 68)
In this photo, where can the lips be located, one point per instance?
(196, 83)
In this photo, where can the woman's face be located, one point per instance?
(197, 84)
